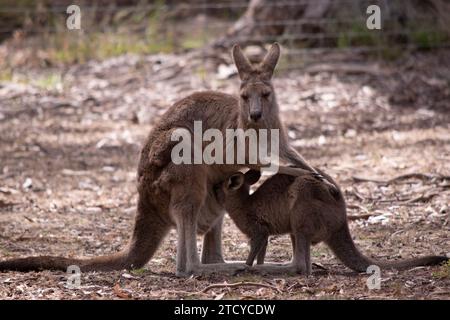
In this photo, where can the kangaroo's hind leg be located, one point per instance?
(185, 206)
(262, 253)
(257, 243)
(302, 254)
(293, 246)
(300, 264)
(212, 244)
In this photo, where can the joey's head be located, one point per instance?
(236, 187)
(256, 96)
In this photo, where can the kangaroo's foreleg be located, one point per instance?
(212, 244)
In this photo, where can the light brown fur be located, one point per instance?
(182, 196)
(304, 208)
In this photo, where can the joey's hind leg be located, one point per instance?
(293, 246)
(262, 253)
(302, 254)
(300, 263)
(212, 244)
(257, 243)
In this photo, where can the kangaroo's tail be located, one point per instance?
(341, 243)
(149, 231)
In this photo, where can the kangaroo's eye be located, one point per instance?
(244, 96)
(266, 94)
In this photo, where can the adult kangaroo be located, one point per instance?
(181, 195)
(304, 208)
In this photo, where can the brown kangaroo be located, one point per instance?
(182, 195)
(304, 208)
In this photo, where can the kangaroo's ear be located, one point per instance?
(252, 176)
(271, 59)
(235, 181)
(243, 66)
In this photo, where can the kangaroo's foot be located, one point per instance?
(212, 258)
(214, 268)
(280, 269)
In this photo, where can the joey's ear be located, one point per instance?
(243, 66)
(252, 176)
(270, 60)
(235, 181)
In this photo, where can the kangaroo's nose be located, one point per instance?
(255, 115)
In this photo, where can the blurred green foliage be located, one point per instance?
(443, 272)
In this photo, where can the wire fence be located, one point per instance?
(171, 26)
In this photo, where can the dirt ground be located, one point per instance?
(70, 141)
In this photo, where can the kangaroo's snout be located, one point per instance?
(255, 116)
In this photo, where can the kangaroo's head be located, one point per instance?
(236, 187)
(256, 96)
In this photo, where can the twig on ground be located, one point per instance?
(225, 285)
(422, 197)
(318, 265)
(240, 284)
(421, 176)
(182, 292)
(360, 216)
(357, 206)
(358, 195)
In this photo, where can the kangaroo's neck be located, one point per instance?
(237, 203)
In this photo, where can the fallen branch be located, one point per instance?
(360, 216)
(357, 206)
(422, 198)
(358, 195)
(420, 176)
(240, 284)
(182, 292)
(318, 265)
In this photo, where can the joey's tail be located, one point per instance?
(341, 243)
(149, 231)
